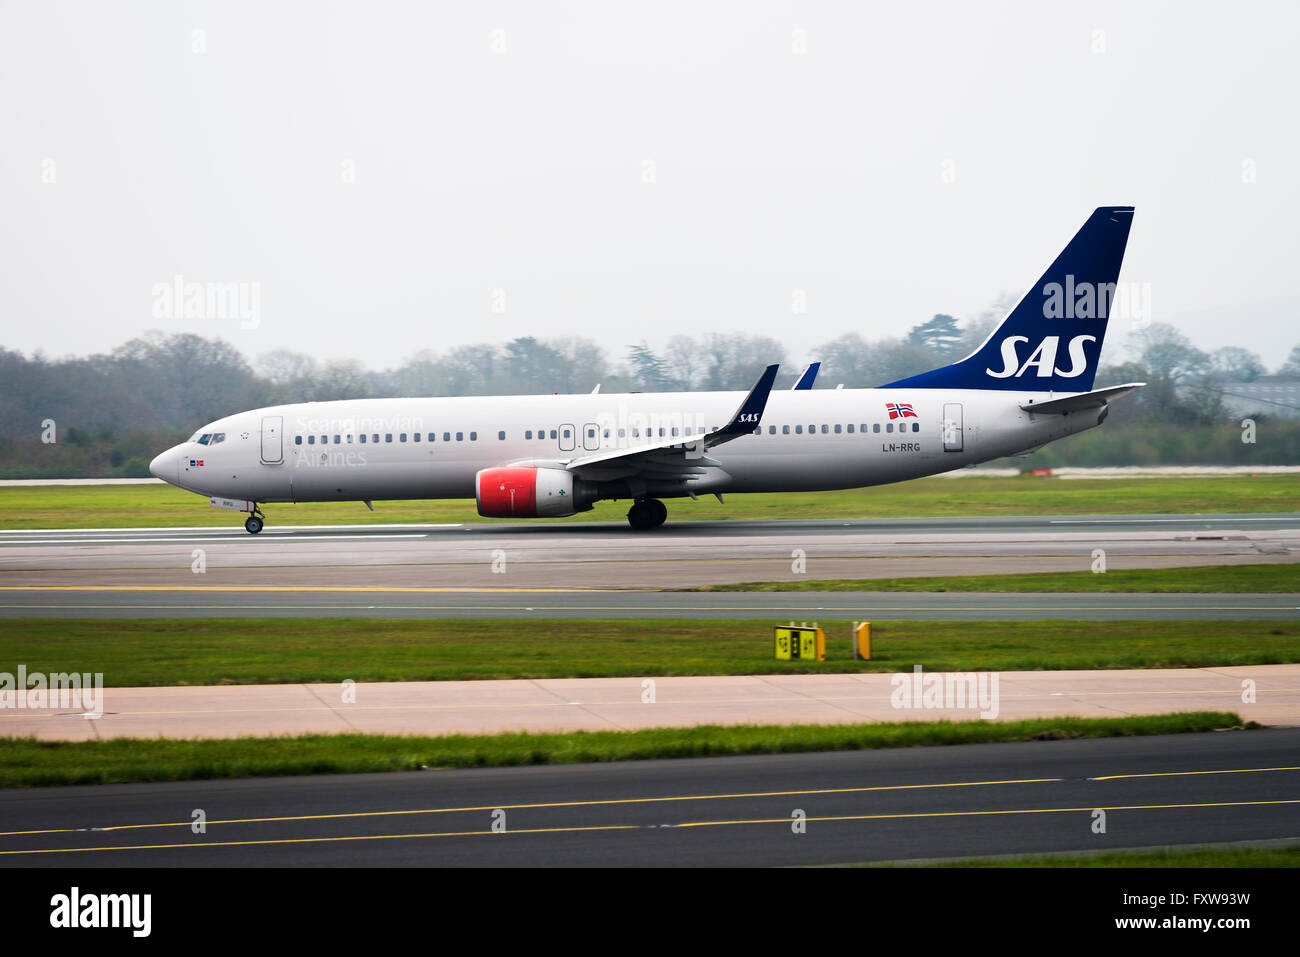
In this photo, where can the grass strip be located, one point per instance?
(136, 506)
(1158, 857)
(28, 762)
(155, 652)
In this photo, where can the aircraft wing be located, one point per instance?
(676, 457)
(1085, 400)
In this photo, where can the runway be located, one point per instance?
(911, 803)
(197, 601)
(545, 705)
(609, 570)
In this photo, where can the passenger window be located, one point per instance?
(622, 433)
(875, 427)
(460, 436)
(337, 440)
(349, 440)
(837, 429)
(401, 437)
(552, 433)
(473, 436)
(431, 435)
(889, 426)
(362, 437)
(415, 436)
(528, 433)
(826, 429)
(446, 436)
(388, 436)
(324, 440)
(916, 426)
(311, 440)
(785, 430)
(771, 430)
(850, 427)
(501, 436)
(375, 438)
(798, 430)
(297, 440)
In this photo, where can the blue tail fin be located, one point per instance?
(1051, 341)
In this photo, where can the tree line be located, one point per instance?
(108, 414)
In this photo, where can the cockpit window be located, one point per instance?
(217, 437)
(205, 438)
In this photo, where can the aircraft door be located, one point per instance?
(566, 438)
(272, 439)
(591, 436)
(952, 427)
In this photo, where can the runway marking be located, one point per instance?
(552, 804)
(186, 540)
(305, 588)
(1167, 774)
(636, 827)
(639, 800)
(1045, 810)
(232, 532)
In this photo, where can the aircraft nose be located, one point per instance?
(164, 466)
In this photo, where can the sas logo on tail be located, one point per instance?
(1043, 358)
(900, 410)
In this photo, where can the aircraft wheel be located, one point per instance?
(647, 514)
(659, 512)
(253, 524)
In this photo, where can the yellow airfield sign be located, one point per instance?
(799, 643)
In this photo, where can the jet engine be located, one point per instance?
(527, 491)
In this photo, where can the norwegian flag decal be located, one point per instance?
(900, 410)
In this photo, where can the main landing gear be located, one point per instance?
(254, 522)
(647, 514)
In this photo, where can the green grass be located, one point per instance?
(156, 651)
(134, 506)
(26, 762)
(1160, 857)
(1284, 578)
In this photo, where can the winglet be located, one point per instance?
(807, 377)
(750, 413)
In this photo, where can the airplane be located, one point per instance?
(549, 456)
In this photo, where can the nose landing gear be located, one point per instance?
(254, 522)
(647, 514)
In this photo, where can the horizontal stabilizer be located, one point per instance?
(1086, 400)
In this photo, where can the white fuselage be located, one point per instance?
(315, 451)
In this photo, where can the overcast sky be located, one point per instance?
(388, 177)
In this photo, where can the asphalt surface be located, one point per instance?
(905, 804)
(602, 569)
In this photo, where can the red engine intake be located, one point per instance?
(507, 492)
(526, 491)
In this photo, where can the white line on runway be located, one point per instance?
(217, 528)
(136, 541)
(1153, 521)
